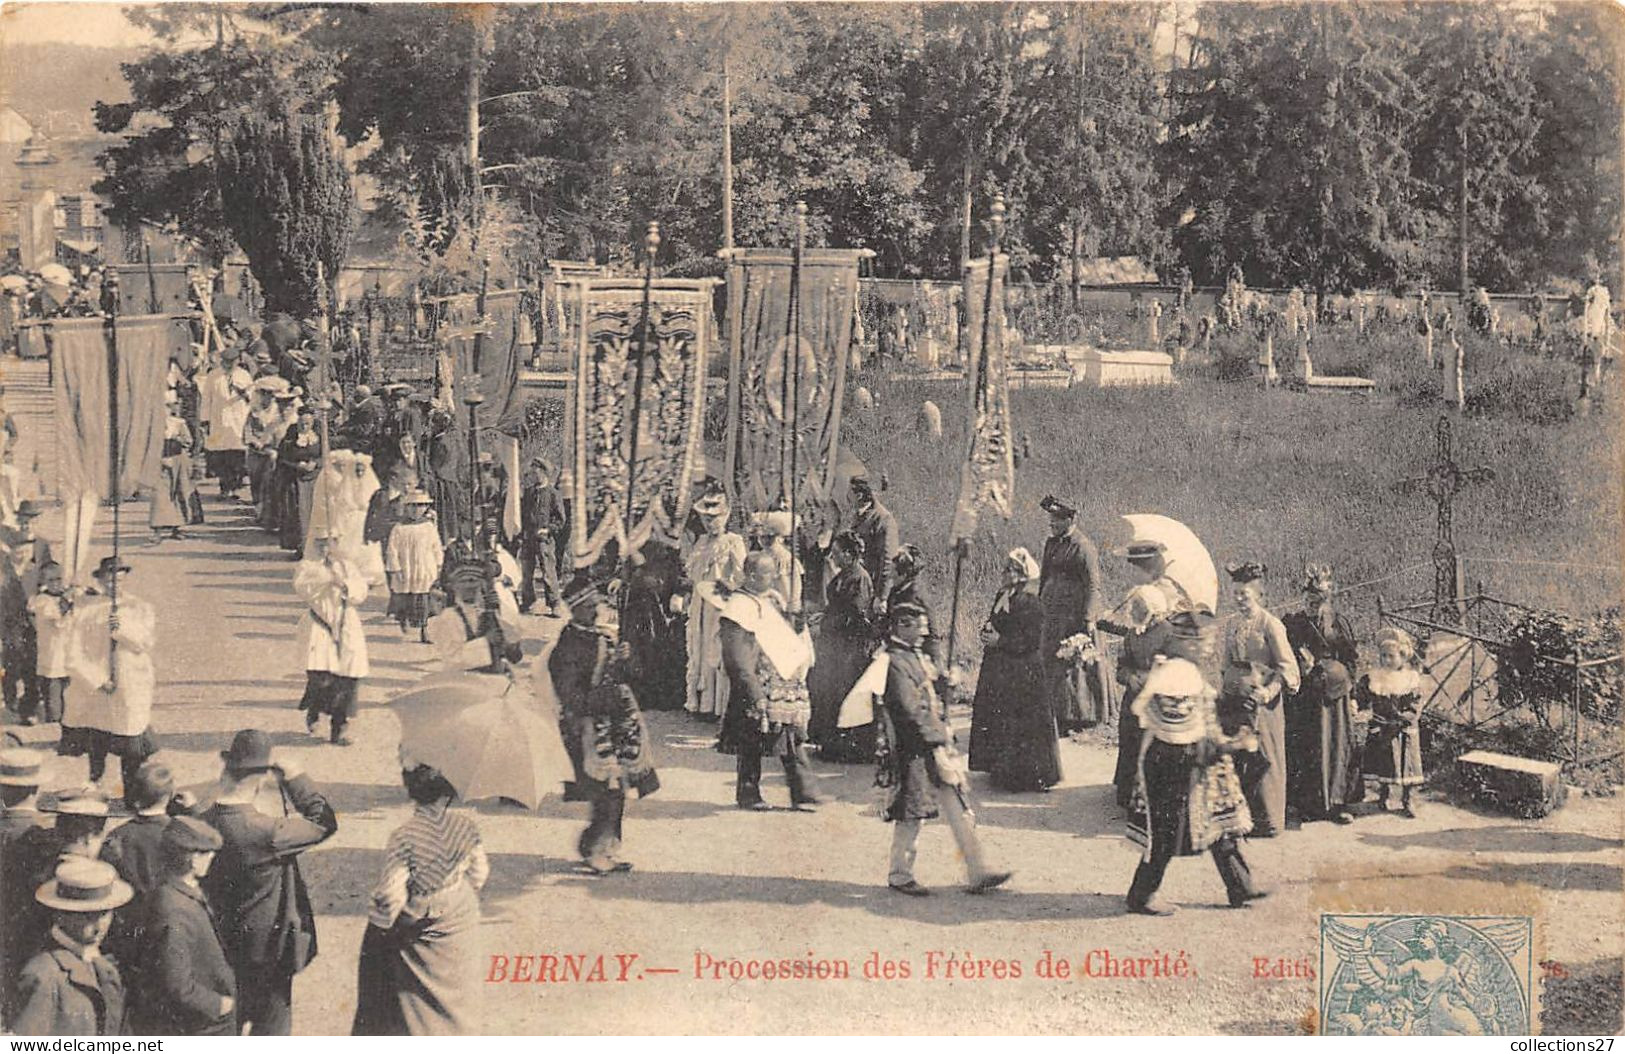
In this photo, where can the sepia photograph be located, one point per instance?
(812, 518)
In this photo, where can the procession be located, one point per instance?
(563, 646)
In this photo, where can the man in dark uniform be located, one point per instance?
(541, 518)
(264, 911)
(924, 775)
(1069, 591)
(589, 671)
(874, 523)
(184, 985)
(69, 988)
(26, 844)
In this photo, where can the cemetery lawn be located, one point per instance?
(1278, 476)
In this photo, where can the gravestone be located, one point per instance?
(863, 399)
(1519, 786)
(929, 422)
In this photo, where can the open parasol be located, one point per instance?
(485, 735)
(55, 274)
(1188, 562)
(13, 283)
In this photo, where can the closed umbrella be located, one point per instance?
(487, 736)
(1187, 559)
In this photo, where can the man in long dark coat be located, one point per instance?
(184, 985)
(1069, 589)
(602, 729)
(264, 910)
(877, 527)
(541, 518)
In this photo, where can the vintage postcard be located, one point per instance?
(811, 519)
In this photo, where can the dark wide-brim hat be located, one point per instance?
(27, 510)
(581, 589)
(250, 751)
(1191, 625)
(111, 565)
(1057, 507)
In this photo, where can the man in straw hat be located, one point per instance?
(330, 632)
(70, 988)
(601, 725)
(108, 705)
(181, 983)
(267, 812)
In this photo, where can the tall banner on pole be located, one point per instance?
(761, 334)
(987, 479)
(85, 401)
(665, 412)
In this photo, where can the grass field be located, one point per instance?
(1286, 477)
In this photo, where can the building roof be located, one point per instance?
(14, 127)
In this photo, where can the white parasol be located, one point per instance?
(1187, 559)
(56, 274)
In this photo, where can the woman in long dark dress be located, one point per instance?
(419, 969)
(845, 643)
(1323, 757)
(1012, 728)
(298, 461)
(657, 637)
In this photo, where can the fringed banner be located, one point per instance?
(987, 479)
(493, 358)
(668, 408)
(759, 338)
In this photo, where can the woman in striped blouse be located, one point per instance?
(419, 964)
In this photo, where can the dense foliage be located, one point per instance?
(1313, 144)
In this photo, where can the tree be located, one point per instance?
(286, 194)
(1289, 147)
(182, 98)
(1094, 146)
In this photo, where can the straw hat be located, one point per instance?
(82, 885)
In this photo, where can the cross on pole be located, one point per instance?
(1444, 480)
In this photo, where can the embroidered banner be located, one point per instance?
(987, 479)
(668, 417)
(761, 398)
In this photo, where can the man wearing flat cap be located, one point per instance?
(1069, 591)
(875, 525)
(182, 984)
(267, 813)
(69, 988)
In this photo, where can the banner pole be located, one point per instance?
(651, 242)
(978, 403)
(792, 381)
(110, 306)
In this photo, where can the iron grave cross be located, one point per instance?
(1445, 479)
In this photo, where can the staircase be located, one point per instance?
(32, 405)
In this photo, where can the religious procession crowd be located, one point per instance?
(151, 912)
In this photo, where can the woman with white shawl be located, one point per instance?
(330, 500)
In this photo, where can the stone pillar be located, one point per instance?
(36, 207)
